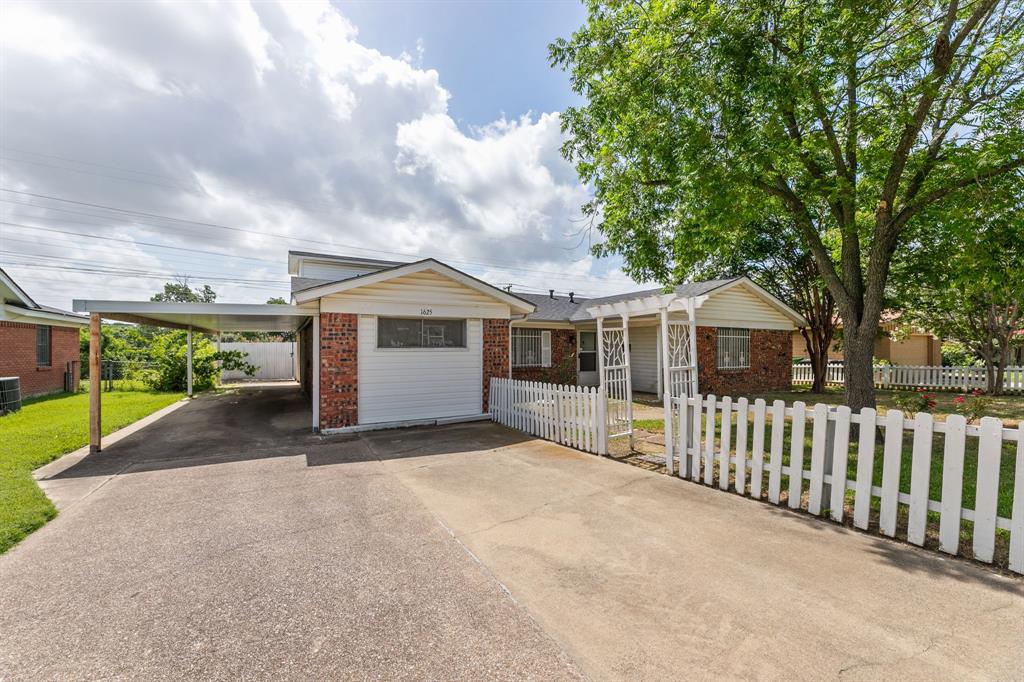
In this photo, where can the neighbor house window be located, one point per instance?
(401, 332)
(733, 348)
(531, 348)
(42, 346)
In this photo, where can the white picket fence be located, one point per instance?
(742, 439)
(274, 359)
(919, 376)
(570, 415)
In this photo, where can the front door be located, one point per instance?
(587, 363)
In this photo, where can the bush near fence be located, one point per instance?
(927, 480)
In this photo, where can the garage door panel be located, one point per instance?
(406, 384)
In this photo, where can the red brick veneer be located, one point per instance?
(339, 370)
(18, 357)
(771, 359)
(495, 354)
(563, 361)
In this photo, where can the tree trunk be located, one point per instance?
(859, 352)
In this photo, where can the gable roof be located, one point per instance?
(518, 304)
(17, 305)
(556, 309)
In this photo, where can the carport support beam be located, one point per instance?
(95, 381)
(188, 360)
(314, 374)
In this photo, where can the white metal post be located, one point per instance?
(602, 392)
(315, 373)
(188, 360)
(666, 392)
(600, 351)
(694, 378)
(629, 378)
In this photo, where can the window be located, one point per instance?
(42, 346)
(588, 351)
(401, 332)
(531, 348)
(733, 348)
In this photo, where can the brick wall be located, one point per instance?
(771, 360)
(563, 361)
(339, 377)
(495, 354)
(18, 357)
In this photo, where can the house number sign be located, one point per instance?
(426, 311)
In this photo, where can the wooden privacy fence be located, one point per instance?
(919, 376)
(570, 415)
(274, 359)
(729, 443)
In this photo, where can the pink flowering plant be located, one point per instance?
(918, 401)
(973, 406)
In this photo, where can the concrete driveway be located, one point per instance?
(226, 541)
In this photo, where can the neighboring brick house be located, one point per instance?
(38, 344)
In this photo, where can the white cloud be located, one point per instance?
(275, 120)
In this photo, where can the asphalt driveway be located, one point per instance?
(224, 540)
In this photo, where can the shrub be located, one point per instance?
(972, 406)
(172, 372)
(956, 354)
(918, 401)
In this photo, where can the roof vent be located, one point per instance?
(571, 294)
(551, 293)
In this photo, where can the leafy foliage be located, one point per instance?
(181, 292)
(170, 351)
(703, 116)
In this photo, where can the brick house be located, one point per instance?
(419, 342)
(38, 344)
(385, 344)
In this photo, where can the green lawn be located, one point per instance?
(45, 429)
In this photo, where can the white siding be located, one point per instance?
(643, 358)
(411, 294)
(334, 271)
(739, 306)
(407, 384)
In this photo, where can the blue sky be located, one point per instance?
(145, 142)
(492, 56)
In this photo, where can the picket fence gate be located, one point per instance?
(919, 376)
(740, 448)
(571, 415)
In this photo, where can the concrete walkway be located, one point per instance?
(225, 541)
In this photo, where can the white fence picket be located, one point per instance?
(757, 450)
(698, 400)
(952, 483)
(742, 417)
(840, 461)
(986, 494)
(920, 477)
(796, 454)
(709, 441)
(683, 434)
(1017, 515)
(818, 442)
(726, 441)
(775, 461)
(891, 456)
(865, 469)
(563, 414)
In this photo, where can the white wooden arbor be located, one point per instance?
(211, 318)
(678, 357)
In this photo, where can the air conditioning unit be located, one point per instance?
(10, 394)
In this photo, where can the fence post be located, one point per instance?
(602, 421)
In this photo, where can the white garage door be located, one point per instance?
(398, 382)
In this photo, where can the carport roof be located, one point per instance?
(206, 317)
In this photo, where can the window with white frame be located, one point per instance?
(531, 347)
(403, 332)
(733, 348)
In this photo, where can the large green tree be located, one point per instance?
(701, 117)
(963, 277)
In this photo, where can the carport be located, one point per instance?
(209, 318)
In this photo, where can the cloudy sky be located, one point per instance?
(146, 141)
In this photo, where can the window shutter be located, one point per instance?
(545, 348)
